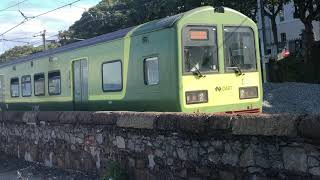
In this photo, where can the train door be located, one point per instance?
(2, 94)
(80, 84)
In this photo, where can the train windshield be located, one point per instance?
(239, 49)
(200, 49)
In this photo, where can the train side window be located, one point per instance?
(54, 83)
(112, 76)
(14, 87)
(39, 84)
(26, 86)
(151, 71)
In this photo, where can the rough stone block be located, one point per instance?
(295, 159)
(166, 121)
(30, 117)
(104, 118)
(52, 117)
(136, 120)
(13, 117)
(220, 122)
(68, 117)
(192, 123)
(309, 127)
(266, 125)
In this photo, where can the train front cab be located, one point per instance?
(219, 62)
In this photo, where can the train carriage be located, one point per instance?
(204, 60)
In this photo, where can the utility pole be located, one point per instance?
(43, 35)
(44, 40)
(263, 46)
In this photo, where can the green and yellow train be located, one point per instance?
(204, 60)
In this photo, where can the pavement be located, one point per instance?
(16, 169)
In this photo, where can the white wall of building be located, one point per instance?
(290, 26)
(293, 27)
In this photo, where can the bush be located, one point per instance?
(293, 69)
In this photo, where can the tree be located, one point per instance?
(21, 51)
(272, 8)
(307, 11)
(247, 7)
(111, 15)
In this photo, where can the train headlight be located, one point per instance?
(248, 92)
(197, 97)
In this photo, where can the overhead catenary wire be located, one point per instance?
(73, 5)
(17, 41)
(33, 17)
(17, 4)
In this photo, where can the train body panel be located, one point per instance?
(144, 69)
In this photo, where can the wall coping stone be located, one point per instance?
(281, 125)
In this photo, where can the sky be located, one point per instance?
(52, 22)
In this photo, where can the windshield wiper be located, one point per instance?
(237, 70)
(197, 71)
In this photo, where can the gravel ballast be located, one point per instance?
(295, 98)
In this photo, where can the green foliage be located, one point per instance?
(115, 172)
(20, 51)
(112, 15)
(307, 10)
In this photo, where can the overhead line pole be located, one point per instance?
(43, 34)
(264, 44)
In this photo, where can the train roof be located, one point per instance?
(144, 28)
(141, 29)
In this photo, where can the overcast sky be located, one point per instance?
(52, 22)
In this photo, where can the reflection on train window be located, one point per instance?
(151, 71)
(26, 86)
(14, 87)
(112, 76)
(239, 49)
(200, 49)
(54, 83)
(39, 84)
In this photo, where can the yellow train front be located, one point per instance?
(204, 60)
(220, 62)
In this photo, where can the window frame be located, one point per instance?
(255, 46)
(283, 37)
(25, 83)
(18, 87)
(54, 94)
(183, 45)
(34, 84)
(102, 84)
(145, 75)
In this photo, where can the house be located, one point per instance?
(289, 30)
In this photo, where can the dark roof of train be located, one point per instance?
(69, 47)
(148, 27)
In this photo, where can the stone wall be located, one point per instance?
(167, 145)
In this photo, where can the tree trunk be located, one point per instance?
(308, 39)
(275, 31)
